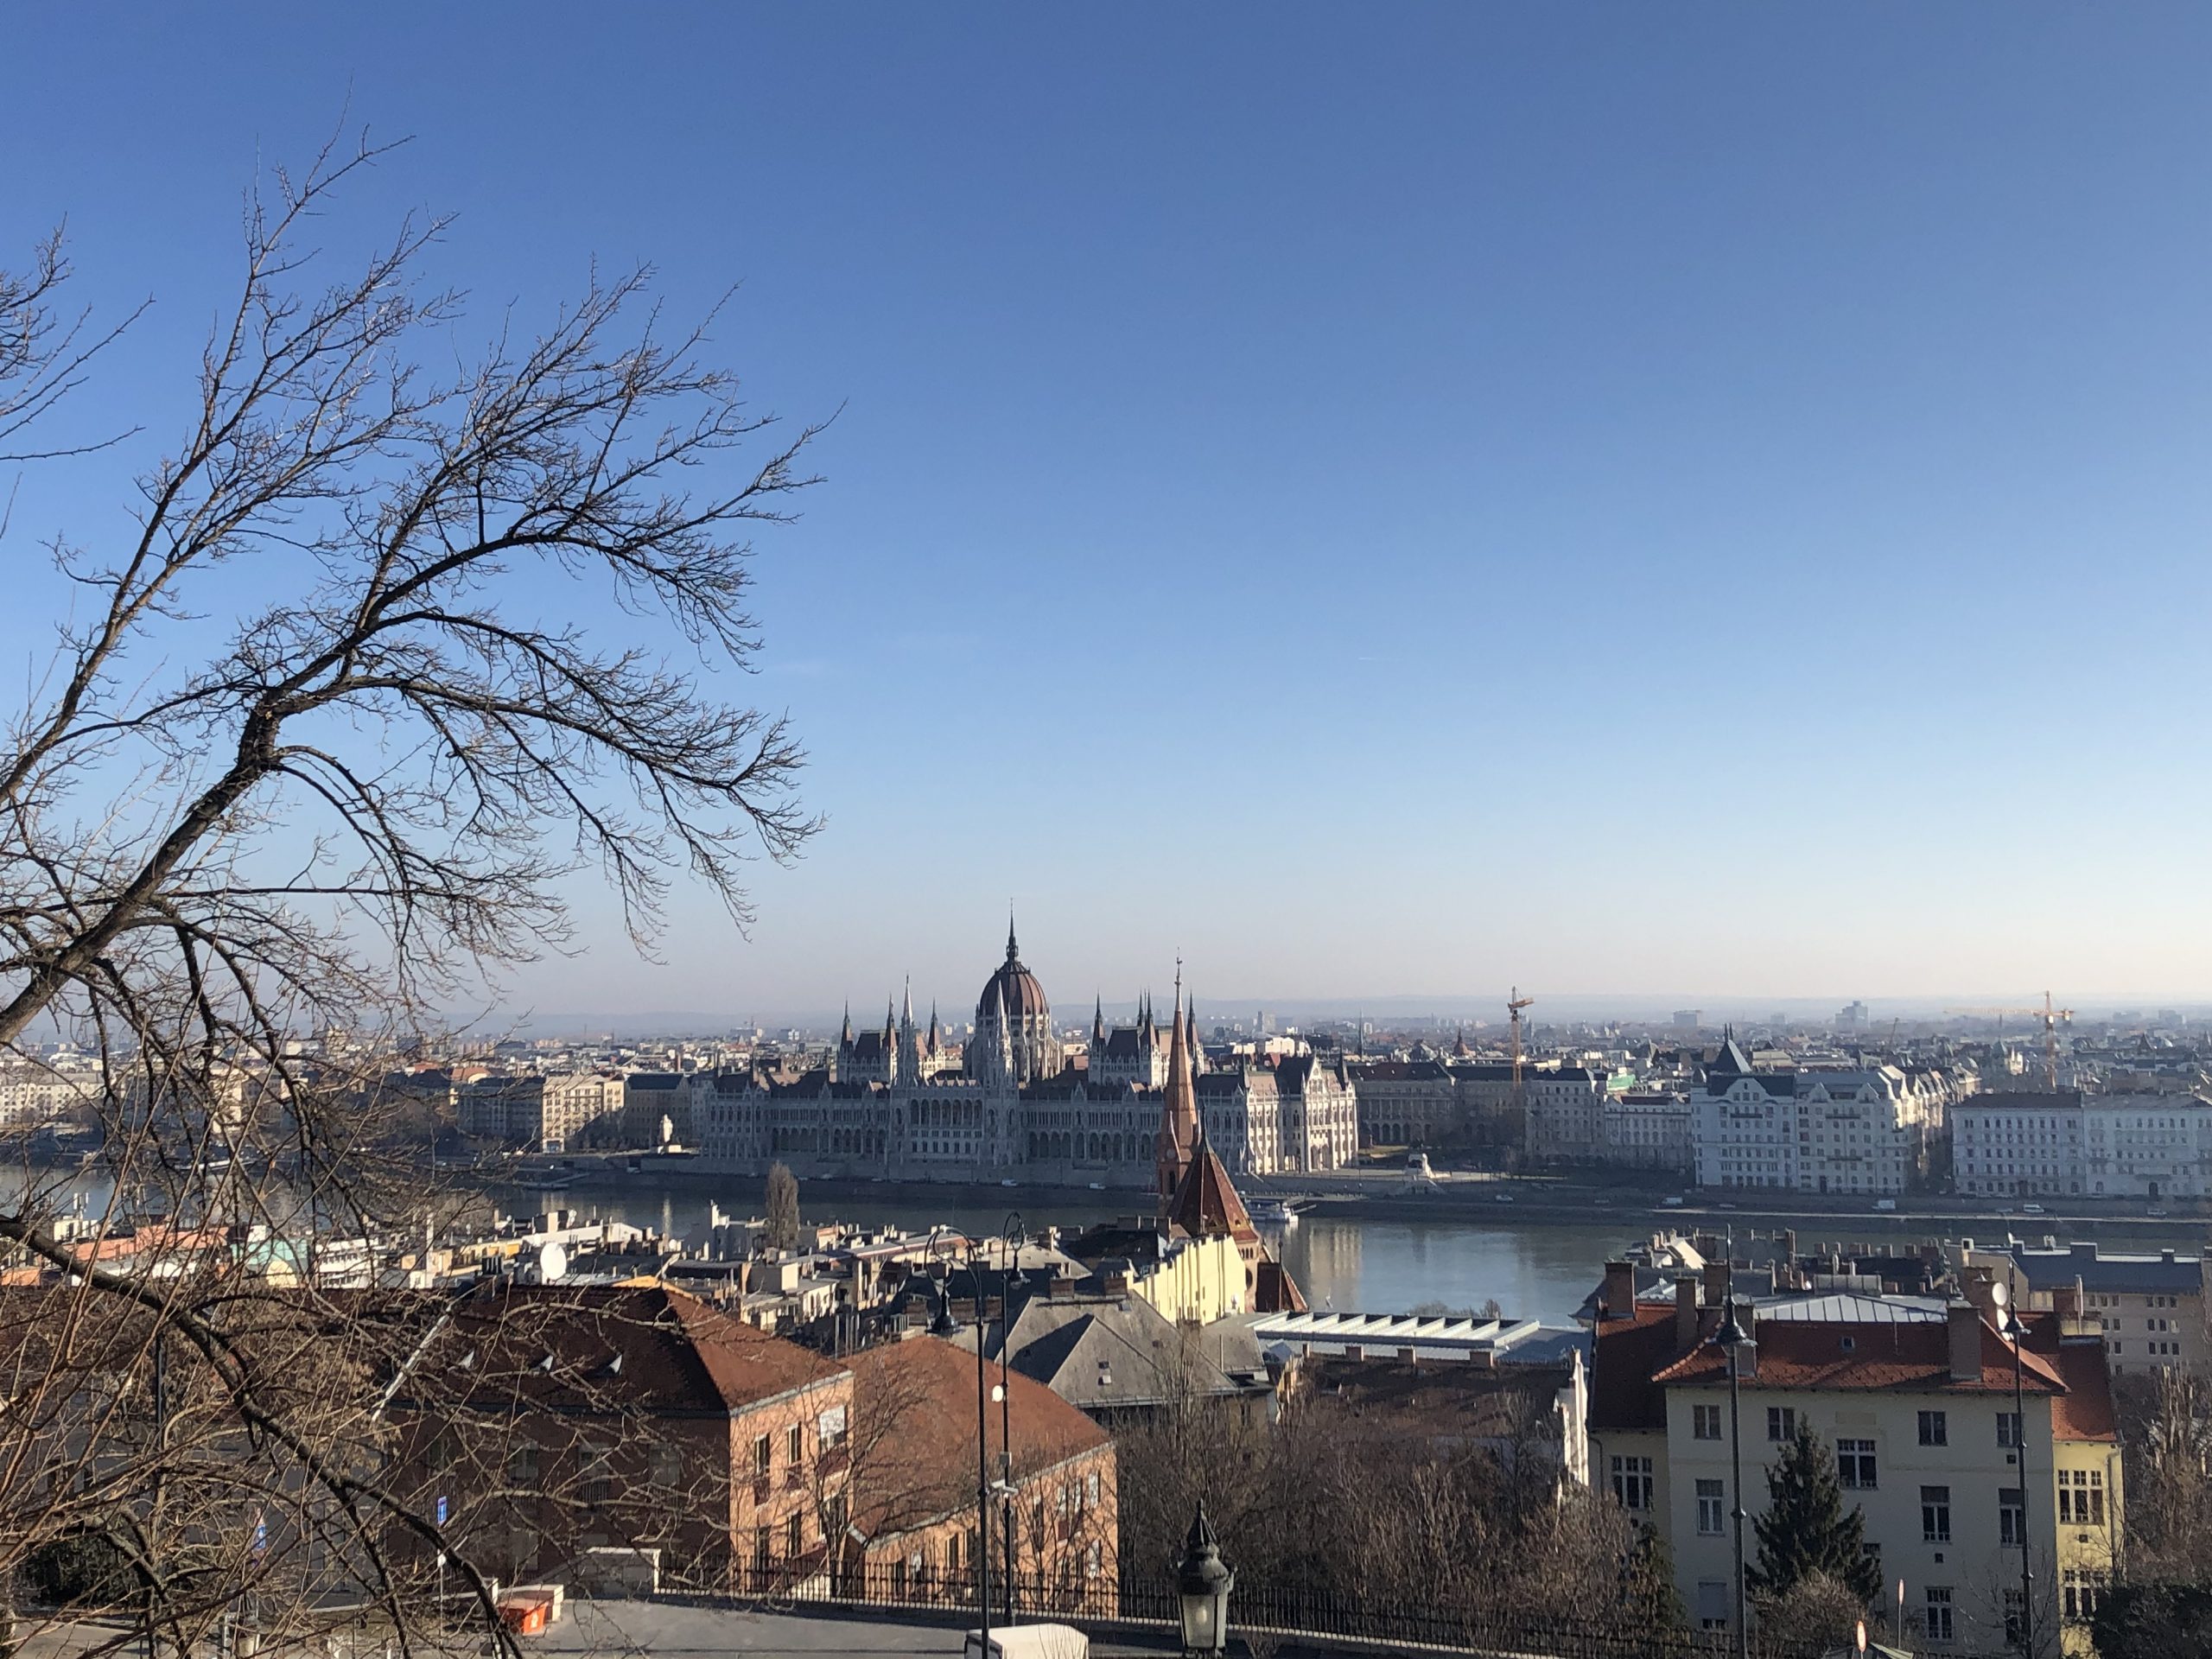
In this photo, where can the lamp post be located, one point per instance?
(1202, 1582)
(1736, 1342)
(945, 1325)
(1010, 1235)
(2009, 1324)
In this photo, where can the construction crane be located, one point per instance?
(1515, 1003)
(2049, 1015)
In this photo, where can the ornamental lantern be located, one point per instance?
(1204, 1583)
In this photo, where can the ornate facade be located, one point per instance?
(903, 1102)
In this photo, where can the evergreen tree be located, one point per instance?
(1806, 1530)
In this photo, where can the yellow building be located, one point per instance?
(1193, 1280)
(1915, 1398)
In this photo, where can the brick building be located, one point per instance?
(914, 1519)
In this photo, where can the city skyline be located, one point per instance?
(1577, 500)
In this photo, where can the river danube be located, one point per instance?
(1532, 1271)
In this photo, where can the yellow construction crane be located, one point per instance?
(2049, 1015)
(1515, 1003)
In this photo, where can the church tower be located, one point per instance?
(1178, 1112)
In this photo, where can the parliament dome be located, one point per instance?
(1014, 987)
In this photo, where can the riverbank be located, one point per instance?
(1458, 1197)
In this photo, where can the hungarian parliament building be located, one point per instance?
(1017, 1102)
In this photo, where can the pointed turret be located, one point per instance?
(1003, 1059)
(845, 1039)
(1098, 1020)
(1179, 1111)
(933, 1038)
(1013, 951)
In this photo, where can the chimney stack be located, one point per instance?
(1716, 1283)
(1618, 1298)
(1981, 1291)
(1966, 1343)
(1685, 1312)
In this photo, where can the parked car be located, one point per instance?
(1886, 1204)
(2031, 1208)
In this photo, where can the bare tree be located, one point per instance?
(354, 813)
(781, 1209)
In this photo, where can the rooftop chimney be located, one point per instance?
(1618, 1300)
(1716, 1283)
(1685, 1312)
(1966, 1343)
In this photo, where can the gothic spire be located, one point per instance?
(1179, 1109)
(847, 1039)
(1012, 950)
(1099, 1018)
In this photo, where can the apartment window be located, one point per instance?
(1705, 1422)
(795, 1444)
(1936, 1515)
(667, 1466)
(1935, 1428)
(522, 1467)
(2012, 1515)
(2080, 1498)
(2008, 1428)
(1713, 1604)
(1781, 1422)
(1855, 1464)
(763, 1549)
(794, 1539)
(762, 1456)
(2078, 1591)
(829, 1427)
(1712, 1507)
(1632, 1482)
(1940, 1628)
(1091, 1489)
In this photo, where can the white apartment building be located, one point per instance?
(549, 1113)
(2073, 1144)
(1649, 1129)
(1914, 1399)
(32, 1095)
(1564, 1111)
(1864, 1131)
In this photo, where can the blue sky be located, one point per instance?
(1384, 501)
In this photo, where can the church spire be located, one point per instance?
(1179, 1109)
(1013, 951)
(1099, 1018)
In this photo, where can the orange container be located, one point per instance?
(526, 1615)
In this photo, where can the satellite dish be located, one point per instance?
(1998, 1294)
(552, 1263)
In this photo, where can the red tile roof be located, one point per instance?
(913, 1432)
(1635, 1362)
(651, 1349)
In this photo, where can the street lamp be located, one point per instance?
(1204, 1581)
(2009, 1325)
(1010, 1235)
(945, 1325)
(1734, 1340)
